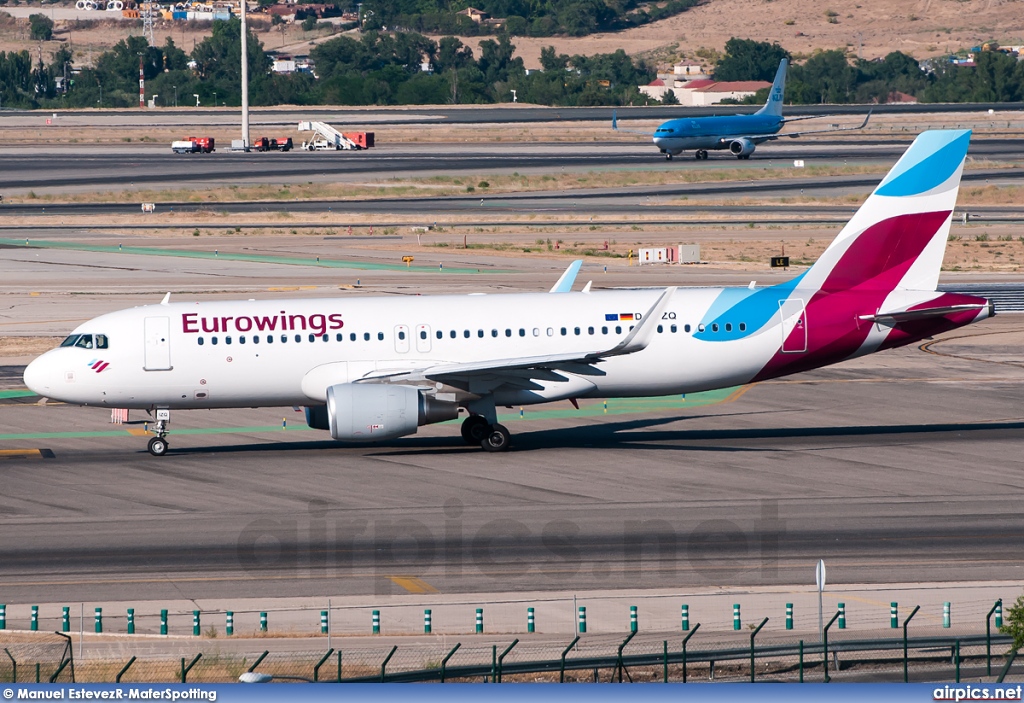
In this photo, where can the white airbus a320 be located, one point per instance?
(373, 369)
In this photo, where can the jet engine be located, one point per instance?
(364, 412)
(742, 147)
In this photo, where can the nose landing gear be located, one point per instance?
(158, 445)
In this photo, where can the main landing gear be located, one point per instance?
(491, 436)
(158, 445)
(701, 155)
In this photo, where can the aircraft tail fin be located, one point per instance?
(897, 239)
(777, 92)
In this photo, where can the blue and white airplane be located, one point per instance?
(740, 134)
(376, 368)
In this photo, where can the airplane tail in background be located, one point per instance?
(897, 239)
(775, 95)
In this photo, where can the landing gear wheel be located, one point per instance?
(668, 156)
(158, 446)
(474, 429)
(701, 155)
(497, 439)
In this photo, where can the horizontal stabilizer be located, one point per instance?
(898, 316)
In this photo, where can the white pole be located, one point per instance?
(81, 628)
(245, 78)
(328, 623)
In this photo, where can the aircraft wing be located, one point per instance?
(564, 284)
(615, 126)
(518, 369)
(793, 135)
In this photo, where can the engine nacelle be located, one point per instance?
(364, 412)
(742, 147)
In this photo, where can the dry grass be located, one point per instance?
(27, 346)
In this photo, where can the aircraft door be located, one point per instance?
(401, 339)
(794, 325)
(157, 333)
(423, 338)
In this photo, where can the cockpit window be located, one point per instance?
(86, 341)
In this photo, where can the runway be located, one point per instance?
(73, 169)
(904, 465)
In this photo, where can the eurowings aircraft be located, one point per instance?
(370, 369)
(740, 134)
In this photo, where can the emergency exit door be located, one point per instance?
(794, 325)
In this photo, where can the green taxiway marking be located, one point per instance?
(254, 258)
(616, 406)
(24, 393)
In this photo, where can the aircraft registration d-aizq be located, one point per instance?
(740, 134)
(370, 369)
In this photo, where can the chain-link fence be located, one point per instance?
(880, 655)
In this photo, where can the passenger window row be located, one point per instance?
(453, 334)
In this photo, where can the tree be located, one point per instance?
(748, 60)
(40, 27)
(669, 98)
(1014, 624)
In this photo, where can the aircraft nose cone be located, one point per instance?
(37, 376)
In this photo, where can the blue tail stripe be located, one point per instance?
(753, 307)
(931, 160)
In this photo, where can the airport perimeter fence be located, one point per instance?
(632, 657)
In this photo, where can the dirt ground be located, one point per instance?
(867, 28)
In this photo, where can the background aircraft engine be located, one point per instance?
(362, 412)
(741, 147)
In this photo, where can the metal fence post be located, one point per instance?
(685, 640)
(384, 664)
(618, 659)
(186, 669)
(801, 661)
(1002, 674)
(906, 672)
(686, 617)
(131, 621)
(33, 624)
(988, 637)
(789, 616)
(824, 646)
(582, 618)
(561, 675)
(501, 657)
(122, 672)
(956, 659)
(14, 665)
(444, 662)
(664, 668)
(752, 636)
(531, 622)
(323, 660)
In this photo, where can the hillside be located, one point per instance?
(871, 28)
